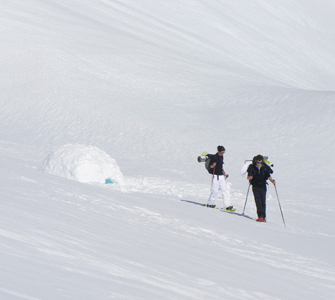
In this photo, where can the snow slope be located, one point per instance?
(153, 84)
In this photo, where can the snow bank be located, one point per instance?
(82, 163)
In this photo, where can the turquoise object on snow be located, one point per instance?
(109, 181)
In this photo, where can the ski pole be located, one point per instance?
(246, 198)
(280, 206)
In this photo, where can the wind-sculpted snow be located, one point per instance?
(137, 90)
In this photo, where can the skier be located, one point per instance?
(219, 180)
(258, 174)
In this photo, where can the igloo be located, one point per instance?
(83, 163)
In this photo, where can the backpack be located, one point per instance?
(206, 158)
(245, 167)
(208, 162)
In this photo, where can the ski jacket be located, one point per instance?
(219, 164)
(260, 176)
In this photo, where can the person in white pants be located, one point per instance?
(219, 180)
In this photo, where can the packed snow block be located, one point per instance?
(82, 163)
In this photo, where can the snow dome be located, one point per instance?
(82, 163)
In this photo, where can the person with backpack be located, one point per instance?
(258, 174)
(218, 179)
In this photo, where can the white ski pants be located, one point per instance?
(219, 182)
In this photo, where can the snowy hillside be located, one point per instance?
(142, 88)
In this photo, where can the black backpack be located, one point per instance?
(208, 162)
(206, 159)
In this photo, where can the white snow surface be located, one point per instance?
(137, 90)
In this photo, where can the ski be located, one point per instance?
(221, 208)
(229, 210)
